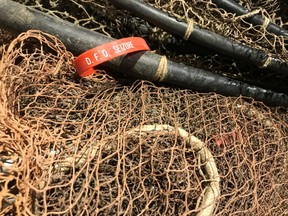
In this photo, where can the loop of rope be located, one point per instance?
(161, 70)
(189, 30)
(207, 201)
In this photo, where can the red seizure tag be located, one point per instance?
(85, 62)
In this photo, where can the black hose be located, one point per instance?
(234, 7)
(18, 18)
(201, 36)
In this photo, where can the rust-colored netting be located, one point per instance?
(101, 146)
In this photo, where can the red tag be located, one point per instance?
(85, 62)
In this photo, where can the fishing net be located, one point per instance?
(102, 146)
(105, 145)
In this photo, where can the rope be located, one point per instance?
(189, 30)
(266, 22)
(161, 70)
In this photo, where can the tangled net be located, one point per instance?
(104, 146)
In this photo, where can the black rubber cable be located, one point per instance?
(201, 36)
(233, 7)
(19, 18)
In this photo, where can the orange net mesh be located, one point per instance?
(102, 146)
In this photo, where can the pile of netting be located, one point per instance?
(105, 146)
